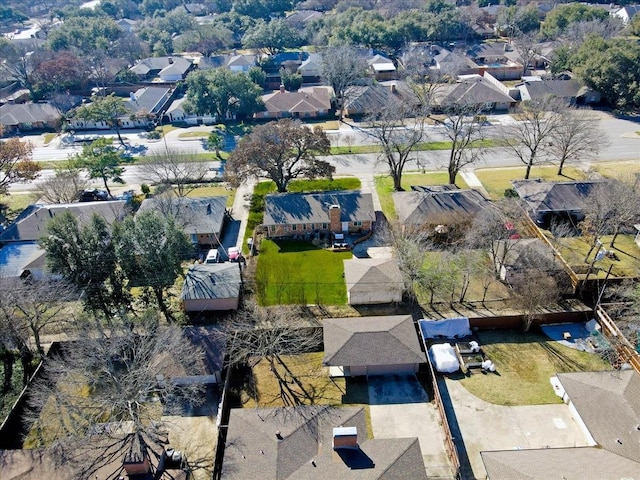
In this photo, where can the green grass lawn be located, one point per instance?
(497, 180)
(196, 134)
(215, 190)
(574, 250)
(525, 362)
(16, 203)
(619, 170)
(295, 272)
(422, 147)
(262, 189)
(48, 137)
(384, 186)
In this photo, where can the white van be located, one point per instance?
(212, 256)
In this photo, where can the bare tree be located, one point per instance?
(576, 137)
(533, 293)
(526, 47)
(398, 128)
(464, 129)
(342, 68)
(177, 168)
(101, 400)
(63, 187)
(269, 333)
(530, 137)
(30, 307)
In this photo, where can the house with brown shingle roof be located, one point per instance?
(309, 102)
(305, 443)
(380, 345)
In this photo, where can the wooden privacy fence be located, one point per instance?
(623, 347)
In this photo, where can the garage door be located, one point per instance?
(391, 369)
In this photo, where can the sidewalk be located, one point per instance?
(473, 181)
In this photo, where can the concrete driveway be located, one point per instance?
(400, 408)
(484, 426)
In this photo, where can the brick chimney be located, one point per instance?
(335, 226)
(345, 437)
(136, 464)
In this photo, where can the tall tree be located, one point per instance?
(63, 187)
(107, 109)
(282, 151)
(342, 68)
(174, 168)
(530, 138)
(101, 160)
(15, 163)
(101, 401)
(398, 128)
(463, 128)
(221, 93)
(150, 250)
(85, 256)
(577, 137)
(271, 37)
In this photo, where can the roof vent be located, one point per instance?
(345, 437)
(279, 435)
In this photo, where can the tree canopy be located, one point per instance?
(101, 160)
(107, 109)
(282, 151)
(221, 93)
(15, 163)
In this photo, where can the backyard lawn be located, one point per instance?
(295, 272)
(525, 362)
(496, 180)
(619, 170)
(384, 186)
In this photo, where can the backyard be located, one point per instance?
(296, 272)
(524, 363)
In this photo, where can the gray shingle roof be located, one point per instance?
(14, 115)
(254, 451)
(582, 463)
(372, 274)
(554, 196)
(296, 208)
(212, 281)
(202, 215)
(31, 224)
(362, 99)
(609, 405)
(148, 99)
(383, 340)
(163, 65)
(567, 89)
(473, 91)
(309, 101)
(438, 208)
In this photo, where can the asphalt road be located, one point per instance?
(620, 133)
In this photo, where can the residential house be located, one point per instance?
(195, 9)
(381, 67)
(162, 69)
(569, 90)
(177, 114)
(626, 13)
(31, 36)
(311, 68)
(308, 102)
(146, 105)
(16, 118)
(362, 100)
(606, 405)
(382, 345)
(201, 217)
(22, 259)
(475, 91)
(314, 441)
(272, 65)
(301, 18)
(441, 210)
(126, 24)
(373, 280)
(212, 287)
(31, 224)
(498, 59)
(548, 201)
(318, 214)
(12, 92)
(240, 63)
(451, 64)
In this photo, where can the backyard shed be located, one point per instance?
(372, 281)
(211, 287)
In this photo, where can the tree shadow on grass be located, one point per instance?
(357, 391)
(292, 246)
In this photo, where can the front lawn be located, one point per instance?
(384, 186)
(497, 180)
(214, 190)
(524, 363)
(619, 170)
(295, 272)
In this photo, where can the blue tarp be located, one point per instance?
(448, 328)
